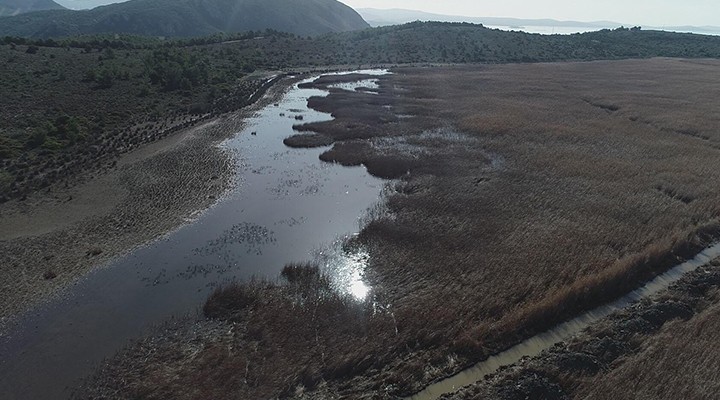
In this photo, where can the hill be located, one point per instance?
(186, 18)
(15, 7)
(386, 17)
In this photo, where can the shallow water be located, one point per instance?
(537, 344)
(287, 204)
(360, 86)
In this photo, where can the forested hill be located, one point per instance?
(442, 42)
(186, 18)
(15, 7)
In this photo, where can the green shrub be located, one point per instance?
(9, 147)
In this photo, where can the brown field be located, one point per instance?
(525, 194)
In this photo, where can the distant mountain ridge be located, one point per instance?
(15, 7)
(382, 17)
(385, 17)
(186, 18)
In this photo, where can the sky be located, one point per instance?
(657, 13)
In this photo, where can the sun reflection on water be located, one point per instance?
(358, 288)
(347, 270)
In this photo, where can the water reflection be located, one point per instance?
(358, 288)
(346, 268)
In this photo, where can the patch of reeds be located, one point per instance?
(229, 302)
(308, 140)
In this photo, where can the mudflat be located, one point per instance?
(52, 238)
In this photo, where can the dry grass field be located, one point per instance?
(525, 194)
(681, 362)
(581, 198)
(658, 348)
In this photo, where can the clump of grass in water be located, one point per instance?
(229, 302)
(301, 274)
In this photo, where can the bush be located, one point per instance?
(300, 273)
(9, 147)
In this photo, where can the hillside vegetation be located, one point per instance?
(61, 95)
(184, 18)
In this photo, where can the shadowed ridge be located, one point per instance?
(15, 7)
(185, 18)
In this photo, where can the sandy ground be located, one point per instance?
(55, 237)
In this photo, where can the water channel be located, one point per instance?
(286, 205)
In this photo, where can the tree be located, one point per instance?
(105, 79)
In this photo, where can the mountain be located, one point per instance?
(378, 17)
(15, 7)
(185, 18)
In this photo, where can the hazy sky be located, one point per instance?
(638, 12)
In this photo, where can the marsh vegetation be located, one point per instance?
(524, 194)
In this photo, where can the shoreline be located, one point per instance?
(56, 237)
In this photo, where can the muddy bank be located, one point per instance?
(558, 372)
(53, 238)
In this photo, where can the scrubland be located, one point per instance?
(523, 195)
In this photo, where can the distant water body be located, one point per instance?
(569, 30)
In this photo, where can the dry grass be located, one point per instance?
(566, 216)
(527, 193)
(617, 346)
(679, 363)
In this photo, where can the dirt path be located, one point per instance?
(53, 238)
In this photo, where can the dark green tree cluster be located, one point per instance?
(177, 70)
(57, 134)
